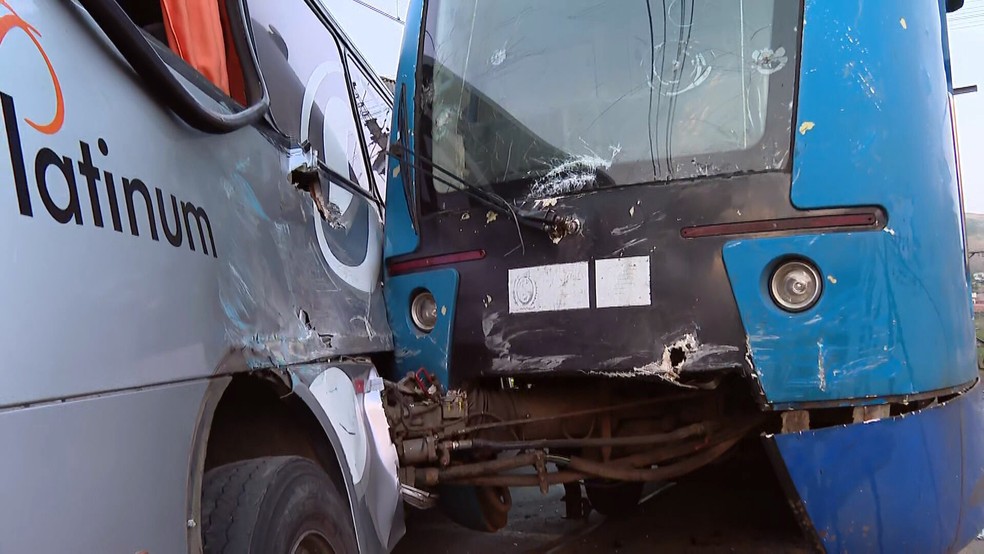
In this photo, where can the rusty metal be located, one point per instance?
(541, 472)
(582, 468)
(795, 421)
(495, 502)
(673, 451)
(622, 473)
(555, 478)
(696, 429)
(606, 422)
(489, 466)
(525, 421)
(416, 451)
(694, 453)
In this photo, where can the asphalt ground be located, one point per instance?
(704, 515)
(709, 514)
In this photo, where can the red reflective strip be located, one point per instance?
(773, 225)
(407, 266)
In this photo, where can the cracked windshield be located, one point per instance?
(537, 99)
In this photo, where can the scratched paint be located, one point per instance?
(908, 280)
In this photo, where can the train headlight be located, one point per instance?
(423, 311)
(796, 285)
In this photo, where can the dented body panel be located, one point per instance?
(665, 273)
(912, 483)
(263, 286)
(685, 287)
(536, 303)
(894, 318)
(148, 264)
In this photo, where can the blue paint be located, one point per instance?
(400, 235)
(909, 484)
(248, 196)
(898, 319)
(415, 350)
(877, 329)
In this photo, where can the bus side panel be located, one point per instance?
(873, 129)
(102, 474)
(139, 251)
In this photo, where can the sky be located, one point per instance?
(380, 37)
(967, 61)
(377, 36)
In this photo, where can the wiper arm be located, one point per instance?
(409, 190)
(547, 221)
(603, 178)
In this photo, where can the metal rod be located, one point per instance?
(491, 466)
(586, 468)
(620, 473)
(659, 438)
(591, 411)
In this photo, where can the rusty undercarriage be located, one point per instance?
(613, 436)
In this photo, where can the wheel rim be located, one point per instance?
(312, 542)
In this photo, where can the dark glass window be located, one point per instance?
(545, 97)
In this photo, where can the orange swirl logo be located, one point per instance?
(13, 21)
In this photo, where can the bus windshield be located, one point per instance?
(535, 98)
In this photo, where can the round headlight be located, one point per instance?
(423, 311)
(795, 285)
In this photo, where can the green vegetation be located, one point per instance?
(975, 242)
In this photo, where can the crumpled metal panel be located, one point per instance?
(182, 250)
(873, 129)
(416, 350)
(913, 483)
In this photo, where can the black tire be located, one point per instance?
(266, 505)
(614, 498)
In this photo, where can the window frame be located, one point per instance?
(347, 54)
(349, 59)
(776, 127)
(241, 37)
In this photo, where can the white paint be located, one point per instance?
(623, 282)
(335, 393)
(386, 494)
(821, 372)
(548, 288)
(365, 276)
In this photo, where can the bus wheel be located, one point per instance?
(285, 504)
(613, 498)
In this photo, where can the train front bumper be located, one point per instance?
(912, 483)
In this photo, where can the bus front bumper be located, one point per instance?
(912, 483)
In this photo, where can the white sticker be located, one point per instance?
(549, 288)
(622, 282)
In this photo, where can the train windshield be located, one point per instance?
(535, 98)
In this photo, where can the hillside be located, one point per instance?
(975, 240)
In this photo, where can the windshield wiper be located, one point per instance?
(547, 221)
(555, 226)
(409, 188)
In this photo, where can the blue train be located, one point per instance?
(625, 241)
